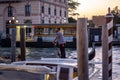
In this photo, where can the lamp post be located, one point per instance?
(13, 40)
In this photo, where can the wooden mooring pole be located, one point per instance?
(107, 37)
(22, 44)
(82, 49)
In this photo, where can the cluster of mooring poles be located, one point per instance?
(82, 48)
(13, 21)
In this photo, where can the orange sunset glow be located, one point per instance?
(89, 8)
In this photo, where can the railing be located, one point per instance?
(48, 29)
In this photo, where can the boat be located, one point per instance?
(91, 53)
(45, 68)
(23, 72)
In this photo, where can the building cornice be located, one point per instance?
(10, 1)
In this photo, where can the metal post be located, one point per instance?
(107, 37)
(82, 49)
(22, 44)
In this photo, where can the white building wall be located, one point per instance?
(36, 15)
(20, 12)
(35, 20)
(35, 12)
(35, 7)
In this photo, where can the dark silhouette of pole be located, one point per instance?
(22, 44)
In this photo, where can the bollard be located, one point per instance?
(107, 37)
(82, 49)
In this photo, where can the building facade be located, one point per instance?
(98, 21)
(33, 12)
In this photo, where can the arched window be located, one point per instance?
(10, 11)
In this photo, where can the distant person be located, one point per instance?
(61, 42)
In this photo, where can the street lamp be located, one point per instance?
(13, 20)
(13, 40)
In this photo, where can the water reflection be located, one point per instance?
(37, 53)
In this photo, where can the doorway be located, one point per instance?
(28, 30)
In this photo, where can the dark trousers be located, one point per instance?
(62, 50)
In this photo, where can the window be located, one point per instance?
(65, 14)
(28, 29)
(64, 73)
(60, 0)
(7, 28)
(60, 12)
(49, 10)
(49, 21)
(42, 21)
(42, 9)
(10, 11)
(55, 21)
(64, 1)
(55, 11)
(27, 10)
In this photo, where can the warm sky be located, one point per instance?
(88, 8)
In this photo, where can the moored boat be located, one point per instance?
(55, 68)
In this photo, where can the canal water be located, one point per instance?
(37, 53)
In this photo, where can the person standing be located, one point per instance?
(61, 42)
